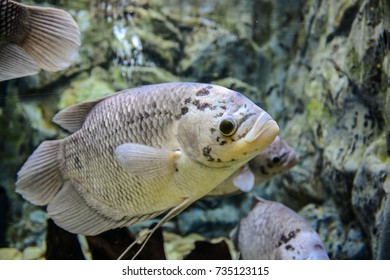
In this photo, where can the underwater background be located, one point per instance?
(321, 69)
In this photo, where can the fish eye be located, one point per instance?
(228, 126)
(276, 160)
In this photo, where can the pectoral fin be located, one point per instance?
(142, 160)
(245, 180)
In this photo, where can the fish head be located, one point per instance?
(224, 128)
(306, 246)
(275, 159)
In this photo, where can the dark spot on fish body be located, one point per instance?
(196, 102)
(218, 115)
(206, 153)
(188, 100)
(184, 110)
(212, 130)
(222, 143)
(292, 234)
(285, 239)
(289, 248)
(202, 106)
(203, 92)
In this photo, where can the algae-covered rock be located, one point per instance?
(341, 241)
(371, 200)
(87, 87)
(33, 253)
(139, 75)
(10, 254)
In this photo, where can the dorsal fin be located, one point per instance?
(73, 117)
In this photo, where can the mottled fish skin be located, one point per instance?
(272, 231)
(34, 38)
(275, 159)
(178, 120)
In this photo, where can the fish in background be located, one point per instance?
(34, 38)
(142, 152)
(272, 231)
(275, 159)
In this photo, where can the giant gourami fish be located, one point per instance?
(272, 231)
(142, 152)
(32, 38)
(275, 159)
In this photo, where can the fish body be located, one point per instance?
(142, 152)
(32, 38)
(275, 159)
(272, 231)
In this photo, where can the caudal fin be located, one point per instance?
(40, 179)
(53, 38)
(15, 62)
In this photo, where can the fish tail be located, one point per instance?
(15, 62)
(53, 38)
(40, 178)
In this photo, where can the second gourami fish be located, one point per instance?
(275, 159)
(272, 231)
(143, 152)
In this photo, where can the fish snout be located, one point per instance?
(263, 132)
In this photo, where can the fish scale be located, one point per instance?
(93, 164)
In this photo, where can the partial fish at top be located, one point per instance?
(143, 152)
(34, 38)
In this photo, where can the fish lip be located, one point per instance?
(292, 159)
(288, 159)
(264, 127)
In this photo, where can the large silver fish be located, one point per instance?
(272, 231)
(32, 38)
(275, 159)
(142, 152)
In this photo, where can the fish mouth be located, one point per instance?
(292, 159)
(265, 129)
